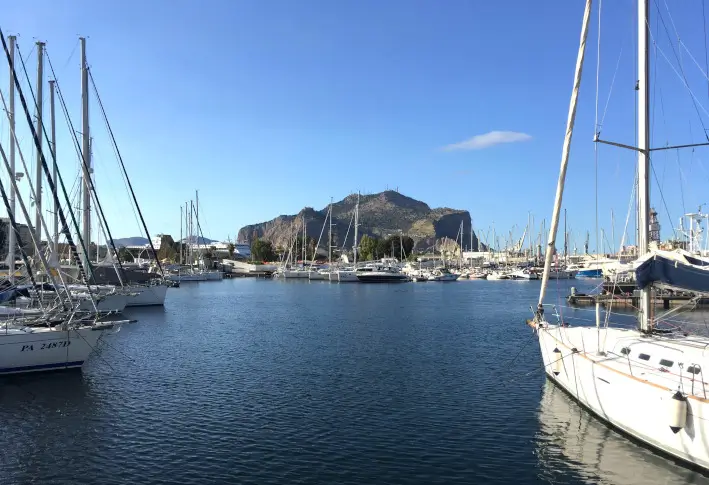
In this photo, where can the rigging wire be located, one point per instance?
(662, 196)
(595, 145)
(682, 76)
(706, 51)
(98, 161)
(610, 92)
(73, 51)
(45, 167)
(123, 167)
(101, 219)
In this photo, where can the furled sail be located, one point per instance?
(673, 269)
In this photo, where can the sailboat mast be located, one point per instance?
(566, 240)
(12, 237)
(85, 151)
(192, 239)
(196, 215)
(305, 240)
(460, 264)
(565, 154)
(356, 223)
(329, 239)
(613, 232)
(643, 152)
(55, 169)
(38, 115)
(182, 242)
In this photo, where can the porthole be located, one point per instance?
(644, 357)
(666, 363)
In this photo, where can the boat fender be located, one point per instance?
(556, 365)
(573, 291)
(677, 412)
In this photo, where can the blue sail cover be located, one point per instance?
(671, 272)
(9, 294)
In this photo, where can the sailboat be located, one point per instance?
(117, 285)
(195, 268)
(62, 336)
(645, 382)
(349, 275)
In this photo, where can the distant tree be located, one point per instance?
(383, 249)
(167, 248)
(125, 255)
(262, 250)
(367, 248)
(395, 242)
(230, 247)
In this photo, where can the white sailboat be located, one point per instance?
(63, 336)
(647, 383)
(349, 275)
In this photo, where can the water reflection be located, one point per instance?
(42, 416)
(570, 437)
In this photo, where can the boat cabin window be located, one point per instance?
(666, 363)
(625, 350)
(694, 369)
(644, 357)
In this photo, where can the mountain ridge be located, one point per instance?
(380, 215)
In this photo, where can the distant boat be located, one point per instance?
(377, 273)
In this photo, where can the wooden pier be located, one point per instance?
(664, 301)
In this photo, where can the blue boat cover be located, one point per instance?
(9, 295)
(672, 273)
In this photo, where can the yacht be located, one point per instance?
(498, 275)
(345, 275)
(378, 273)
(442, 275)
(523, 274)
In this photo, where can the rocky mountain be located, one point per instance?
(380, 215)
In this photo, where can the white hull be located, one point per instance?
(213, 275)
(478, 276)
(497, 276)
(562, 274)
(443, 278)
(295, 274)
(184, 277)
(633, 394)
(200, 276)
(521, 275)
(110, 303)
(44, 349)
(315, 276)
(147, 295)
(345, 277)
(8, 313)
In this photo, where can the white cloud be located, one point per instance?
(489, 139)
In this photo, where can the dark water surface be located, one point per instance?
(265, 382)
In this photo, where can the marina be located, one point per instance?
(339, 383)
(333, 295)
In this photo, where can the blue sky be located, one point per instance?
(267, 107)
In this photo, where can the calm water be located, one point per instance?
(265, 382)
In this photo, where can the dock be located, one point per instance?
(664, 301)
